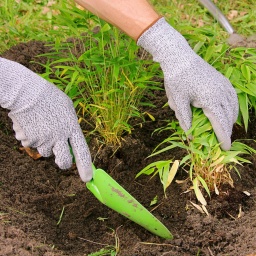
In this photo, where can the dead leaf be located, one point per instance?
(241, 213)
(80, 7)
(200, 23)
(46, 10)
(198, 207)
(181, 6)
(205, 210)
(50, 3)
(185, 16)
(180, 181)
(185, 192)
(243, 13)
(198, 192)
(216, 189)
(232, 14)
(31, 152)
(247, 193)
(55, 12)
(172, 172)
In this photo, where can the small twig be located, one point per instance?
(156, 207)
(3, 217)
(210, 251)
(61, 215)
(118, 228)
(98, 151)
(166, 253)
(138, 183)
(148, 243)
(230, 216)
(117, 247)
(13, 210)
(90, 241)
(241, 213)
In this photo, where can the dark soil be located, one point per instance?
(34, 192)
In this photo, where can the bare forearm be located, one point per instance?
(131, 16)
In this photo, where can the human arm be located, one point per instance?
(43, 117)
(131, 16)
(189, 80)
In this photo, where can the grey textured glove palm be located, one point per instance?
(189, 80)
(43, 117)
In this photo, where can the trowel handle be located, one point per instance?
(218, 15)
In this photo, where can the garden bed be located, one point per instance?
(34, 193)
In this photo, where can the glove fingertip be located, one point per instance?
(63, 157)
(223, 135)
(223, 138)
(85, 172)
(225, 144)
(64, 163)
(82, 155)
(185, 118)
(182, 112)
(45, 150)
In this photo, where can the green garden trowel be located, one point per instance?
(110, 193)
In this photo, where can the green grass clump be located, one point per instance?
(22, 21)
(241, 71)
(105, 74)
(207, 165)
(237, 64)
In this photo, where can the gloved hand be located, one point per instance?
(43, 117)
(189, 80)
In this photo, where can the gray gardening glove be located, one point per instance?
(189, 80)
(43, 117)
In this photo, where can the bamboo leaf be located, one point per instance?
(218, 161)
(243, 104)
(198, 192)
(204, 185)
(216, 189)
(150, 116)
(105, 28)
(172, 173)
(205, 210)
(229, 72)
(154, 201)
(216, 156)
(198, 207)
(209, 53)
(246, 72)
